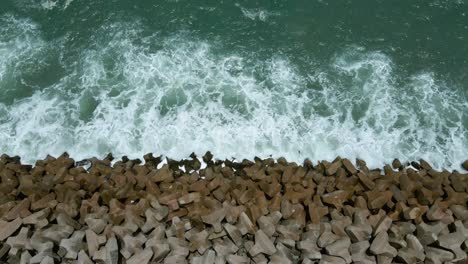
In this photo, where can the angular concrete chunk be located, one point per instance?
(327, 259)
(245, 225)
(339, 248)
(326, 237)
(95, 224)
(83, 258)
(215, 219)
(428, 234)
(234, 233)
(361, 229)
(380, 246)
(73, 245)
(160, 248)
(236, 259)
(132, 244)
(263, 244)
(358, 253)
(112, 251)
(39, 219)
(453, 242)
(8, 228)
(437, 255)
(143, 257)
(19, 242)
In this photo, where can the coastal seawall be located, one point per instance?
(203, 210)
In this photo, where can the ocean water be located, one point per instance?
(376, 80)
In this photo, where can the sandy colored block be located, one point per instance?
(413, 252)
(215, 219)
(142, 257)
(132, 244)
(398, 194)
(326, 236)
(332, 168)
(160, 248)
(158, 233)
(83, 258)
(6, 207)
(25, 257)
(259, 259)
(279, 259)
(384, 259)
(398, 232)
(435, 213)
(267, 224)
(234, 233)
(179, 247)
(428, 234)
(317, 212)
(236, 259)
(39, 219)
(327, 259)
(349, 166)
(383, 225)
(245, 225)
(380, 246)
(9, 228)
(377, 199)
(92, 241)
(438, 255)
(4, 249)
(309, 249)
(361, 229)
(39, 257)
(19, 210)
(263, 244)
(100, 256)
(112, 251)
(336, 198)
(224, 246)
(208, 257)
(366, 181)
(19, 242)
(453, 242)
(291, 231)
(162, 175)
(287, 209)
(189, 198)
(232, 212)
(198, 240)
(339, 248)
(41, 245)
(56, 232)
(47, 201)
(339, 224)
(95, 224)
(152, 221)
(47, 260)
(358, 253)
(460, 211)
(72, 245)
(64, 219)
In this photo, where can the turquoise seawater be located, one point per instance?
(312, 79)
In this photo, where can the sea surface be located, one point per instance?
(371, 79)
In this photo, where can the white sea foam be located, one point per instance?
(255, 13)
(19, 40)
(183, 98)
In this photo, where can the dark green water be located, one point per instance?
(371, 79)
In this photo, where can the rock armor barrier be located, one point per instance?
(261, 211)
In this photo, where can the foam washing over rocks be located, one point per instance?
(130, 94)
